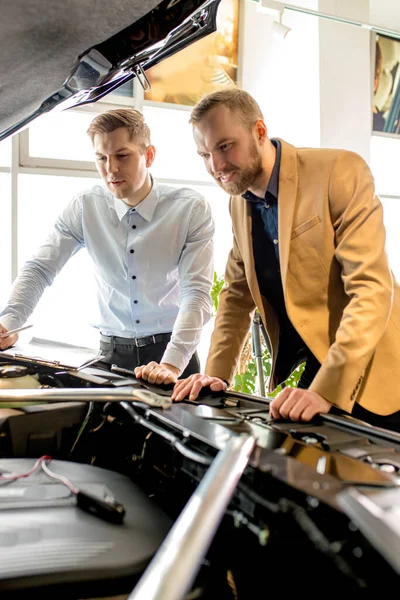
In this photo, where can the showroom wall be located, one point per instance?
(283, 74)
(345, 80)
(314, 85)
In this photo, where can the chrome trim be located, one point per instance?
(174, 568)
(111, 394)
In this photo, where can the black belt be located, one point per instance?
(138, 342)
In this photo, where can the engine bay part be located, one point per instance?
(323, 495)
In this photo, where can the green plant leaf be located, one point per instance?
(246, 382)
(218, 284)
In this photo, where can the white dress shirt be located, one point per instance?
(153, 265)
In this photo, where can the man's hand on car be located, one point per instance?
(298, 405)
(191, 386)
(157, 373)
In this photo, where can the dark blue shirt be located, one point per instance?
(266, 209)
(264, 214)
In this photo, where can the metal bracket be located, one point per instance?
(142, 78)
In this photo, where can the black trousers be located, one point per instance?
(391, 421)
(129, 356)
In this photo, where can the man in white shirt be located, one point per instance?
(152, 252)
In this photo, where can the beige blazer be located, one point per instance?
(339, 291)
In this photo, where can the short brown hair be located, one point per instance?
(130, 118)
(237, 100)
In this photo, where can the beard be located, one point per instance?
(244, 177)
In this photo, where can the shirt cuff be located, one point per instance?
(176, 359)
(10, 322)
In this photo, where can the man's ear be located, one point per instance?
(150, 155)
(261, 130)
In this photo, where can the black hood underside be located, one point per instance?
(73, 52)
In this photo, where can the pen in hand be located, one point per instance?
(7, 333)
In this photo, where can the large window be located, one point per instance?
(5, 236)
(6, 222)
(171, 134)
(61, 136)
(41, 199)
(67, 309)
(5, 153)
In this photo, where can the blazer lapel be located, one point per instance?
(286, 204)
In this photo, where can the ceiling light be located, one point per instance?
(271, 7)
(280, 30)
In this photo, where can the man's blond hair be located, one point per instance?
(236, 100)
(130, 118)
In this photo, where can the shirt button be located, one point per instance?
(275, 241)
(133, 276)
(137, 321)
(267, 206)
(135, 301)
(133, 226)
(131, 251)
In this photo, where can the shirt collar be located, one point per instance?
(273, 184)
(145, 208)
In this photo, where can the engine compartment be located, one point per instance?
(313, 497)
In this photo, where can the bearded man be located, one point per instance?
(309, 253)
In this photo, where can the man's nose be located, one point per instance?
(112, 165)
(217, 164)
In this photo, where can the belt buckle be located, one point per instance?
(145, 341)
(141, 342)
(138, 344)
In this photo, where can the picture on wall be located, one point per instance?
(203, 67)
(386, 89)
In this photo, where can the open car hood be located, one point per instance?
(67, 53)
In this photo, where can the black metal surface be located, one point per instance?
(293, 487)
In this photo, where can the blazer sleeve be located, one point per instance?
(235, 311)
(357, 218)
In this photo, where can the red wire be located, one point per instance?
(14, 476)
